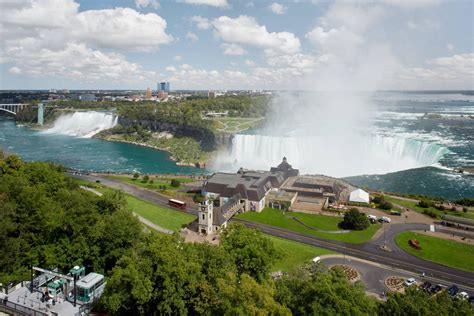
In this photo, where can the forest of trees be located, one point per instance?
(47, 220)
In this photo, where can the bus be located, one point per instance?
(177, 204)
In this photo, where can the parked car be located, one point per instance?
(385, 219)
(426, 286)
(396, 213)
(453, 290)
(316, 259)
(462, 296)
(372, 218)
(410, 282)
(438, 287)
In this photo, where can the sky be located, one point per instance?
(237, 44)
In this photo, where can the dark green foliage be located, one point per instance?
(355, 220)
(145, 178)
(253, 254)
(47, 220)
(430, 213)
(466, 202)
(136, 175)
(416, 302)
(175, 183)
(378, 199)
(425, 203)
(164, 275)
(313, 291)
(386, 205)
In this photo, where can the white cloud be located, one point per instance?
(52, 38)
(170, 68)
(192, 37)
(147, 3)
(201, 23)
(186, 67)
(451, 72)
(277, 8)
(213, 3)
(412, 25)
(77, 61)
(450, 47)
(233, 49)
(411, 4)
(178, 58)
(15, 70)
(249, 62)
(246, 30)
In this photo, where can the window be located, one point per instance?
(203, 216)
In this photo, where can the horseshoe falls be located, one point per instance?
(372, 154)
(83, 124)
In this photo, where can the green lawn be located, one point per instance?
(159, 215)
(446, 252)
(157, 181)
(277, 218)
(414, 206)
(293, 253)
(162, 216)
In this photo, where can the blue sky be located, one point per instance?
(236, 44)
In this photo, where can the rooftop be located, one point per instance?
(90, 280)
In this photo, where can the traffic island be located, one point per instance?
(351, 274)
(395, 284)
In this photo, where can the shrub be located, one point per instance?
(430, 213)
(145, 178)
(355, 220)
(151, 181)
(175, 183)
(464, 209)
(379, 199)
(136, 175)
(386, 205)
(424, 203)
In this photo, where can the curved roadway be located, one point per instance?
(371, 250)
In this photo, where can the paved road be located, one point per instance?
(142, 193)
(397, 259)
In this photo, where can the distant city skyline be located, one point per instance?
(237, 44)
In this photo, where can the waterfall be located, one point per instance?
(350, 156)
(83, 124)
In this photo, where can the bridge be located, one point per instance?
(13, 108)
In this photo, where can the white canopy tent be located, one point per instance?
(359, 195)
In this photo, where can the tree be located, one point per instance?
(416, 302)
(355, 220)
(175, 183)
(424, 203)
(313, 290)
(386, 205)
(252, 253)
(136, 175)
(145, 178)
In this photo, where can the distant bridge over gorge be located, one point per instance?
(13, 108)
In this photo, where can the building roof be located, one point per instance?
(90, 280)
(359, 195)
(250, 184)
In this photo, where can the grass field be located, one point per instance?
(277, 218)
(414, 206)
(445, 252)
(235, 124)
(162, 216)
(159, 215)
(157, 181)
(293, 254)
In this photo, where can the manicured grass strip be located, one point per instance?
(159, 215)
(446, 252)
(293, 253)
(277, 218)
(157, 181)
(414, 206)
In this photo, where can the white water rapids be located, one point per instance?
(350, 156)
(83, 124)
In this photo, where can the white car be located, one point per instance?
(385, 219)
(316, 259)
(410, 282)
(372, 217)
(462, 296)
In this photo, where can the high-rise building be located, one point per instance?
(148, 93)
(164, 86)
